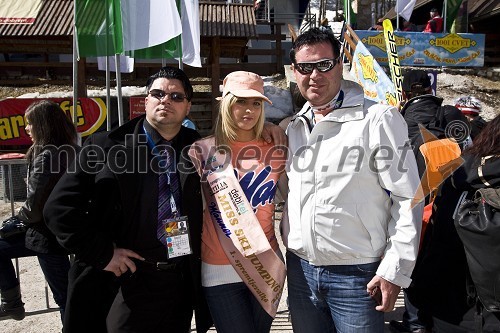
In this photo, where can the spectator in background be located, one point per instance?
(408, 25)
(339, 17)
(259, 6)
(436, 23)
(54, 148)
(325, 26)
(471, 107)
(424, 109)
(379, 25)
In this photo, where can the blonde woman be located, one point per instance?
(242, 269)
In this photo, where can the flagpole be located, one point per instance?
(445, 13)
(119, 89)
(397, 15)
(108, 76)
(75, 68)
(181, 64)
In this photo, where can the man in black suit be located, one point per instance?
(106, 213)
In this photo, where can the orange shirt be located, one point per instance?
(258, 166)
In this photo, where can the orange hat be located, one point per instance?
(244, 84)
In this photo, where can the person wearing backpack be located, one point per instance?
(441, 280)
(423, 109)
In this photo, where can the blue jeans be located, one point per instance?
(55, 267)
(235, 309)
(326, 299)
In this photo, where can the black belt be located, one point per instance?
(158, 265)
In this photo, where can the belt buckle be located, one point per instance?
(164, 266)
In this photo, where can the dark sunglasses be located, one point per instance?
(174, 96)
(324, 65)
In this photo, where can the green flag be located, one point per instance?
(350, 15)
(109, 27)
(451, 12)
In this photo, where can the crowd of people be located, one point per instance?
(162, 222)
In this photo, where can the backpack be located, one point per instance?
(478, 225)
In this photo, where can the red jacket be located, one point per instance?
(435, 24)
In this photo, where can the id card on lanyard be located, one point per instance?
(175, 229)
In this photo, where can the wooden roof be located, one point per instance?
(216, 19)
(227, 20)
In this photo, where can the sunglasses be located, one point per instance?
(323, 66)
(174, 96)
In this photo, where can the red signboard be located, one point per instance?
(90, 115)
(137, 107)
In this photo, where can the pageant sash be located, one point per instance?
(238, 229)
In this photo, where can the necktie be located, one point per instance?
(168, 191)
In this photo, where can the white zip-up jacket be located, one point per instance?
(351, 184)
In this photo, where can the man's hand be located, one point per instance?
(274, 134)
(121, 262)
(389, 290)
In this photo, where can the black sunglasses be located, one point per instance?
(174, 96)
(324, 65)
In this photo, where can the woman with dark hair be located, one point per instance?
(54, 147)
(440, 276)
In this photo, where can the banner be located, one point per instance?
(19, 11)
(90, 115)
(428, 49)
(368, 73)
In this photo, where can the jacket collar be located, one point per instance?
(352, 107)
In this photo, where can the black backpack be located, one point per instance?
(478, 225)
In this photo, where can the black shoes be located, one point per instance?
(12, 305)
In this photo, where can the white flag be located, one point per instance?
(148, 23)
(404, 8)
(126, 64)
(190, 17)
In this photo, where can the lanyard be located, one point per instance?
(155, 151)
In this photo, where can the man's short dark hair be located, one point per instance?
(314, 36)
(172, 73)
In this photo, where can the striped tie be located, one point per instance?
(168, 188)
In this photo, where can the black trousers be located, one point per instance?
(152, 301)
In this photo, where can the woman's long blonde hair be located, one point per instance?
(225, 128)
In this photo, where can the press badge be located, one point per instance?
(177, 237)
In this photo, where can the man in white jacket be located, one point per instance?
(353, 231)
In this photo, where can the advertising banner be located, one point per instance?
(90, 115)
(137, 107)
(428, 49)
(19, 12)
